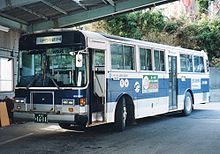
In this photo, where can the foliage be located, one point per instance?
(135, 25)
(203, 6)
(203, 34)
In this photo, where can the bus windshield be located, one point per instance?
(54, 67)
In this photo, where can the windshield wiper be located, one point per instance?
(36, 77)
(54, 82)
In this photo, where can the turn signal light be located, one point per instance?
(82, 101)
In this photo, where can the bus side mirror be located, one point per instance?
(79, 60)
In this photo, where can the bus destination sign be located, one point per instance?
(49, 40)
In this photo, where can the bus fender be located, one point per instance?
(190, 91)
(121, 95)
(124, 94)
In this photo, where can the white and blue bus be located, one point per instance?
(75, 77)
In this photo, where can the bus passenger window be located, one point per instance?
(159, 60)
(128, 58)
(122, 57)
(117, 56)
(186, 63)
(198, 64)
(145, 59)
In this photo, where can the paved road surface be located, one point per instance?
(198, 133)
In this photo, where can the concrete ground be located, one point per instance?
(198, 133)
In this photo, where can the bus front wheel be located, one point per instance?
(65, 125)
(121, 115)
(72, 127)
(188, 104)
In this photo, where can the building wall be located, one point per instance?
(8, 52)
(214, 84)
(9, 40)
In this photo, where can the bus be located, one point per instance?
(80, 78)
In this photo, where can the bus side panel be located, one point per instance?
(198, 85)
(154, 99)
(114, 89)
(147, 102)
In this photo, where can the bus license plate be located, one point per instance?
(40, 118)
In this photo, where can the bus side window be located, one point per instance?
(159, 60)
(128, 52)
(145, 59)
(122, 57)
(186, 63)
(117, 56)
(198, 64)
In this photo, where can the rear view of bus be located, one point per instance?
(53, 78)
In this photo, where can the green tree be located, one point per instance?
(203, 6)
(203, 34)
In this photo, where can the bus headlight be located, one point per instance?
(68, 101)
(19, 100)
(20, 105)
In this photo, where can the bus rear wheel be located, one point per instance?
(188, 104)
(121, 115)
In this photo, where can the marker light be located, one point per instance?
(70, 109)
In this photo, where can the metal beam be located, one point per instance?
(4, 4)
(54, 7)
(34, 13)
(80, 4)
(111, 2)
(95, 14)
(13, 18)
(104, 1)
(12, 24)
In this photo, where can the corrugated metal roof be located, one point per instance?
(41, 14)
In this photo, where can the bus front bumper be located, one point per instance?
(54, 118)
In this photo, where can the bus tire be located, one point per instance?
(65, 125)
(188, 104)
(72, 127)
(121, 115)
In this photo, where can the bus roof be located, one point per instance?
(113, 38)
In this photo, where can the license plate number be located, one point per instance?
(40, 118)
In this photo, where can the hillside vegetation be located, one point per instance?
(202, 34)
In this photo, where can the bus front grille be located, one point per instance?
(42, 101)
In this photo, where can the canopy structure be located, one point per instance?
(33, 15)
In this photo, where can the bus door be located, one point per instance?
(97, 86)
(172, 82)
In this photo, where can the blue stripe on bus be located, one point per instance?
(183, 85)
(114, 89)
